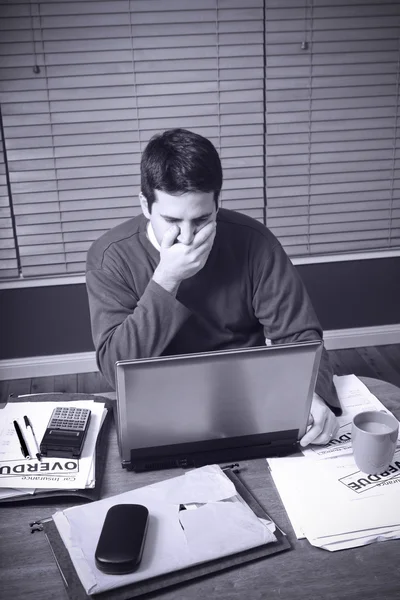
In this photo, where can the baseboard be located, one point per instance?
(336, 339)
(44, 366)
(85, 362)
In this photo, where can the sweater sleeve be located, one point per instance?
(283, 307)
(127, 327)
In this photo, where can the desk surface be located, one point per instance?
(28, 570)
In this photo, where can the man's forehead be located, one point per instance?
(187, 205)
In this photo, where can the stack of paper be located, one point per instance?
(20, 476)
(328, 500)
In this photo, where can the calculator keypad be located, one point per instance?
(69, 418)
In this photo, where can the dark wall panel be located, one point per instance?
(55, 320)
(42, 321)
(361, 293)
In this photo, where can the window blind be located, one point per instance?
(332, 124)
(114, 72)
(111, 74)
(8, 255)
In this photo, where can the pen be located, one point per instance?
(24, 448)
(29, 424)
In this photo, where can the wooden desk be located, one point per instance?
(28, 570)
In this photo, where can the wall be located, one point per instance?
(50, 320)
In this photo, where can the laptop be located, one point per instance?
(197, 409)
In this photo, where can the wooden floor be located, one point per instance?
(381, 362)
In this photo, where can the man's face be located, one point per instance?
(190, 212)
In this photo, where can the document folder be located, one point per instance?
(76, 591)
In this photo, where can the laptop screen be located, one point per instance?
(177, 401)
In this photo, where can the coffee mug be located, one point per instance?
(374, 438)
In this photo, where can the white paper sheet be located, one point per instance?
(288, 495)
(13, 492)
(217, 528)
(353, 540)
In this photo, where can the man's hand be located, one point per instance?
(324, 425)
(180, 261)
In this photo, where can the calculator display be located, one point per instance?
(66, 432)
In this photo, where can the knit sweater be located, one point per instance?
(247, 291)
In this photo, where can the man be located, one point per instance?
(187, 276)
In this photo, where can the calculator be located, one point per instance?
(66, 432)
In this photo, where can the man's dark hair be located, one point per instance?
(179, 161)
